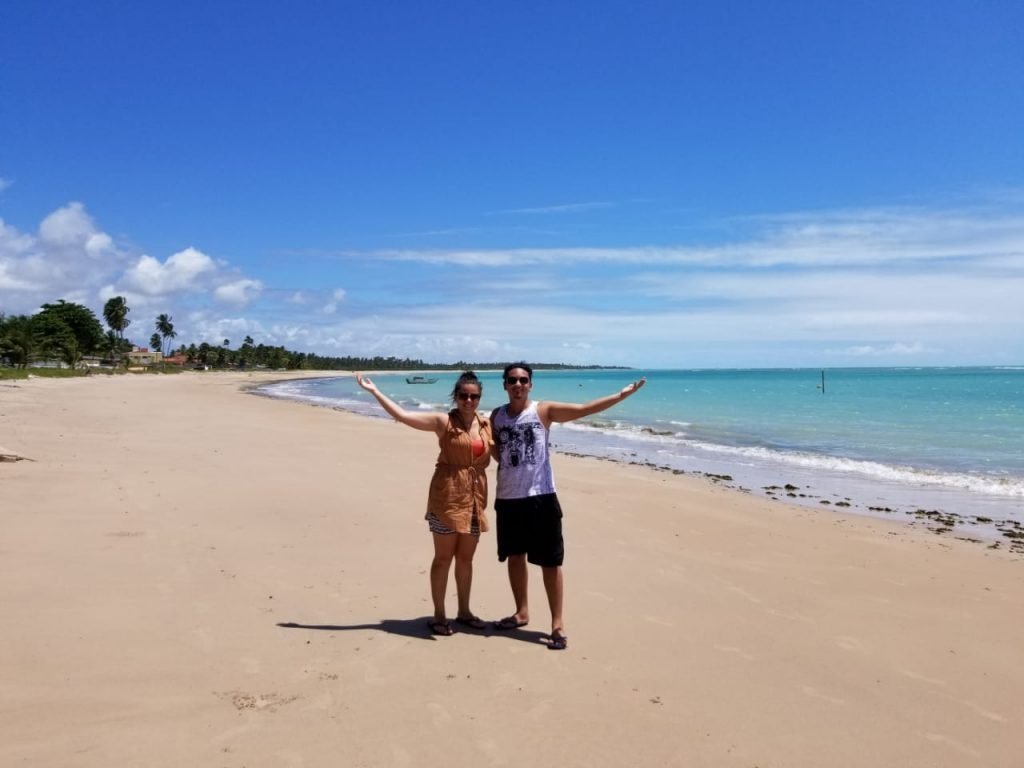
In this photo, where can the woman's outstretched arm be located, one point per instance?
(428, 422)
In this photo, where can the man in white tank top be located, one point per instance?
(528, 515)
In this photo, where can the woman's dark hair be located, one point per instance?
(467, 377)
(512, 366)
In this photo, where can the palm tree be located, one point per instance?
(111, 346)
(165, 328)
(115, 312)
(245, 352)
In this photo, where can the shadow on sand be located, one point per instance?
(419, 629)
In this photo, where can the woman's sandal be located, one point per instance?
(439, 627)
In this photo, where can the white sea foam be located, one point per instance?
(993, 485)
(679, 444)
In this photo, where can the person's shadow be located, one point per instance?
(418, 629)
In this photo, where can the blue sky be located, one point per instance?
(658, 184)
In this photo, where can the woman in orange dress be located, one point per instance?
(457, 500)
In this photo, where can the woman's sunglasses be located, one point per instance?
(517, 380)
(468, 396)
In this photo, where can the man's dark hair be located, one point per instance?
(524, 366)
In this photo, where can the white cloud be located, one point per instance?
(206, 326)
(298, 297)
(12, 242)
(64, 259)
(71, 228)
(832, 239)
(238, 293)
(336, 298)
(896, 349)
(10, 282)
(71, 258)
(179, 273)
(5, 184)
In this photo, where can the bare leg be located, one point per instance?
(465, 548)
(518, 579)
(553, 585)
(444, 552)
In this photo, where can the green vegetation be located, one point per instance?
(165, 328)
(64, 331)
(49, 373)
(67, 332)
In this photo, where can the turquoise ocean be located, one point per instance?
(884, 441)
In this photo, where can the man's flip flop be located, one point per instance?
(510, 622)
(442, 628)
(558, 641)
(473, 622)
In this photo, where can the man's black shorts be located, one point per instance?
(531, 527)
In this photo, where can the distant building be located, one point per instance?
(142, 356)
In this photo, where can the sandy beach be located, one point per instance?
(195, 576)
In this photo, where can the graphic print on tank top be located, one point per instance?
(518, 444)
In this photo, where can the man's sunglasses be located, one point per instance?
(468, 396)
(517, 380)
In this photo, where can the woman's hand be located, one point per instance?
(428, 422)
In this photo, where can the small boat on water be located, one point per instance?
(419, 380)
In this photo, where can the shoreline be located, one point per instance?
(992, 531)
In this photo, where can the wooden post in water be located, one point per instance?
(823, 382)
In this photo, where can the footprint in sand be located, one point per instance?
(257, 701)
